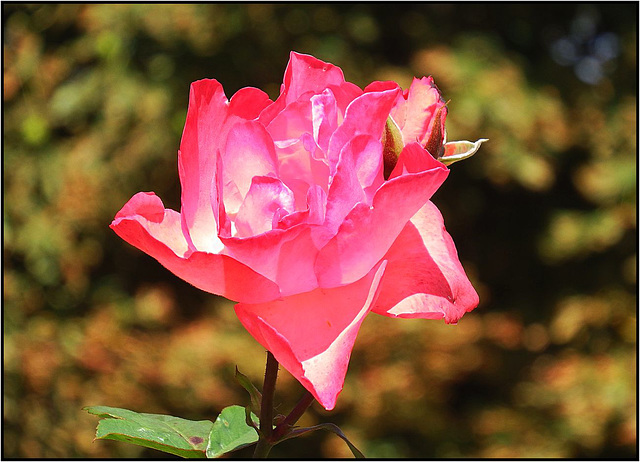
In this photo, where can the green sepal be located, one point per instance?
(455, 151)
(392, 146)
(254, 394)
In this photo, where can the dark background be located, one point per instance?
(544, 219)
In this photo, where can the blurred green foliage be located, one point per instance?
(544, 218)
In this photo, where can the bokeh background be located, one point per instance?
(544, 219)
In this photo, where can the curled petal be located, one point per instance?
(291, 122)
(424, 278)
(312, 334)
(381, 86)
(144, 223)
(298, 169)
(248, 103)
(344, 93)
(413, 159)
(366, 115)
(324, 114)
(359, 168)
(367, 232)
(249, 152)
(414, 115)
(197, 162)
(296, 150)
(266, 197)
(305, 75)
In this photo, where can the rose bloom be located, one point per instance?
(311, 211)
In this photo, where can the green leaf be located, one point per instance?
(230, 432)
(459, 150)
(256, 396)
(185, 438)
(249, 418)
(329, 427)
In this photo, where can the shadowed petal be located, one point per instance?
(424, 278)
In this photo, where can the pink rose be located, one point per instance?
(285, 208)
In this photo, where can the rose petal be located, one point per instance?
(197, 159)
(382, 85)
(367, 232)
(265, 198)
(249, 152)
(317, 203)
(424, 278)
(248, 103)
(366, 115)
(324, 113)
(358, 168)
(344, 94)
(312, 334)
(314, 212)
(291, 122)
(298, 169)
(414, 116)
(285, 256)
(296, 150)
(144, 223)
(413, 159)
(305, 75)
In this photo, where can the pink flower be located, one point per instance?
(285, 209)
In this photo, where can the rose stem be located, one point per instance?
(266, 408)
(293, 416)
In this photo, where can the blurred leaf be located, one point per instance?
(74, 100)
(35, 130)
(230, 432)
(170, 434)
